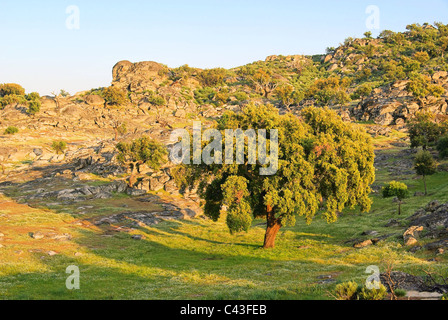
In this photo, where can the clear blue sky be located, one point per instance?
(38, 51)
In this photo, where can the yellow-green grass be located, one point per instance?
(199, 259)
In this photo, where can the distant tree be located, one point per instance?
(425, 165)
(398, 190)
(363, 91)
(115, 96)
(288, 95)
(329, 91)
(423, 130)
(368, 35)
(420, 86)
(212, 77)
(264, 82)
(64, 93)
(324, 165)
(32, 96)
(59, 146)
(442, 147)
(11, 88)
(140, 151)
(422, 57)
(34, 106)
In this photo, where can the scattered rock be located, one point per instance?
(37, 235)
(363, 244)
(410, 236)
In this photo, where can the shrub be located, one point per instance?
(400, 292)
(442, 147)
(32, 96)
(373, 294)
(7, 89)
(346, 291)
(34, 106)
(396, 189)
(59, 146)
(115, 96)
(212, 77)
(12, 99)
(156, 100)
(11, 130)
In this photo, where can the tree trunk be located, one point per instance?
(424, 181)
(272, 228)
(399, 207)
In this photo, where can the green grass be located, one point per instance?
(198, 258)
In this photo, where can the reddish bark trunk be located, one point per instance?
(272, 228)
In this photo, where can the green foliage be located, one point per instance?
(12, 99)
(442, 147)
(7, 89)
(59, 146)
(204, 96)
(115, 96)
(373, 294)
(156, 99)
(362, 91)
(32, 96)
(346, 291)
(423, 130)
(182, 73)
(424, 163)
(212, 77)
(34, 106)
(142, 150)
(11, 130)
(329, 91)
(325, 165)
(395, 189)
(64, 93)
(420, 86)
(288, 95)
(400, 293)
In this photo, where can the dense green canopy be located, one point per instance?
(324, 165)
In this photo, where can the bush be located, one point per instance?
(11, 130)
(12, 99)
(7, 89)
(115, 96)
(212, 77)
(442, 147)
(34, 106)
(59, 146)
(400, 292)
(373, 294)
(32, 96)
(346, 291)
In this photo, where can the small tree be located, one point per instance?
(33, 107)
(368, 35)
(396, 189)
(59, 146)
(363, 91)
(140, 151)
(115, 96)
(442, 147)
(425, 165)
(264, 82)
(423, 130)
(324, 165)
